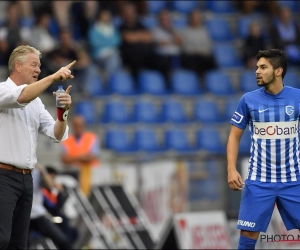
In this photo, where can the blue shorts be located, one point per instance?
(259, 199)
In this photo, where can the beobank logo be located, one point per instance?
(275, 130)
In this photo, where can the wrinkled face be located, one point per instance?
(29, 70)
(265, 74)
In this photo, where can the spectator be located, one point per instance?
(136, 47)
(167, 44)
(41, 37)
(254, 42)
(285, 34)
(77, 14)
(104, 40)
(54, 200)
(81, 151)
(38, 218)
(12, 33)
(67, 51)
(197, 47)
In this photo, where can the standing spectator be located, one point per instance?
(254, 42)
(104, 40)
(39, 221)
(197, 47)
(136, 47)
(67, 51)
(167, 44)
(81, 151)
(285, 34)
(12, 33)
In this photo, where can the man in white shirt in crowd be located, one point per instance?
(22, 117)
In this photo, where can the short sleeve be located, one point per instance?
(240, 117)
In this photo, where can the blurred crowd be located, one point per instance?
(105, 36)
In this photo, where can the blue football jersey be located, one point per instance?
(274, 127)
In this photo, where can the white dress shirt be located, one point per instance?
(20, 125)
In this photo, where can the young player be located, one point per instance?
(272, 114)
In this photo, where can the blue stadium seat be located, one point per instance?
(222, 7)
(177, 139)
(184, 6)
(121, 82)
(116, 111)
(245, 143)
(152, 82)
(219, 29)
(173, 111)
(146, 140)
(293, 5)
(244, 25)
(291, 79)
(87, 110)
(226, 55)
(180, 22)
(94, 85)
(248, 81)
(207, 111)
(118, 140)
(185, 82)
(146, 111)
(230, 107)
(155, 6)
(149, 21)
(218, 83)
(209, 140)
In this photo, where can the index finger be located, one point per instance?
(71, 64)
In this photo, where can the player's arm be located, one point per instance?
(235, 180)
(33, 90)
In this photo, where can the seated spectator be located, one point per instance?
(54, 200)
(77, 14)
(104, 40)
(167, 44)
(41, 37)
(254, 42)
(39, 221)
(12, 34)
(285, 34)
(136, 47)
(67, 51)
(197, 46)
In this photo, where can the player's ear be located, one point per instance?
(279, 71)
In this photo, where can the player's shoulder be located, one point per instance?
(253, 94)
(292, 89)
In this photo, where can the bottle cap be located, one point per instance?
(60, 86)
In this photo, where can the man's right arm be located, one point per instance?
(235, 180)
(33, 90)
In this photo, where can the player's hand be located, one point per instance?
(235, 180)
(64, 73)
(65, 98)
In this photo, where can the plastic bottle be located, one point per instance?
(59, 91)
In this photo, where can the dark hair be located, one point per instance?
(276, 57)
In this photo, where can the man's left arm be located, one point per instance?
(62, 114)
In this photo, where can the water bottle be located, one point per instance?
(59, 91)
